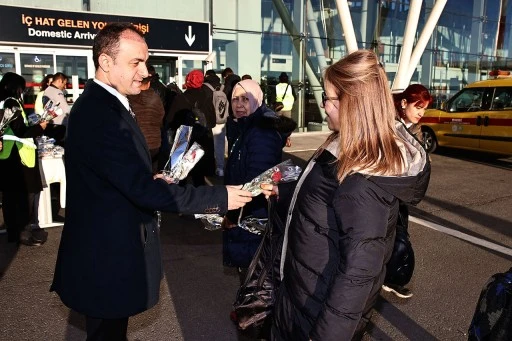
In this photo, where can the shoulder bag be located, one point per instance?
(278, 106)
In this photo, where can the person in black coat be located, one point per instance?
(230, 79)
(257, 147)
(194, 108)
(108, 265)
(20, 179)
(344, 207)
(410, 106)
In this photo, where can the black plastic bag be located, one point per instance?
(400, 267)
(255, 300)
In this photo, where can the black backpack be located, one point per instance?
(493, 315)
(199, 115)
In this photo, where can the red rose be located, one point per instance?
(276, 177)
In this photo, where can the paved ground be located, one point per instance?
(196, 294)
(197, 291)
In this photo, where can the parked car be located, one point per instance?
(479, 117)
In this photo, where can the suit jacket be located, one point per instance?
(109, 264)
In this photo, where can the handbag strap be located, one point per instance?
(310, 166)
(285, 90)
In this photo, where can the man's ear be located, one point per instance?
(104, 61)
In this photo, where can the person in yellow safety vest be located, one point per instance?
(38, 105)
(20, 180)
(285, 94)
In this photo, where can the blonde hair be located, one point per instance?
(366, 116)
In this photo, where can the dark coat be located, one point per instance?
(213, 80)
(185, 101)
(108, 264)
(163, 92)
(181, 114)
(229, 83)
(14, 176)
(258, 147)
(339, 240)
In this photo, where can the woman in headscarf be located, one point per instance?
(257, 146)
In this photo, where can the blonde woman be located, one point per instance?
(343, 211)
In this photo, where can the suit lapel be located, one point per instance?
(118, 107)
(139, 137)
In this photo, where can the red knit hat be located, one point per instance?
(194, 80)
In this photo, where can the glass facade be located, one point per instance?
(302, 37)
(471, 38)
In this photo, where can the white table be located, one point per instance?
(54, 171)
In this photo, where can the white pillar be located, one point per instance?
(424, 38)
(411, 25)
(348, 26)
(75, 86)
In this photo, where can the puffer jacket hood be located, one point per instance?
(411, 186)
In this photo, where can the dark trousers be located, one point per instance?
(16, 211)
(106, 329)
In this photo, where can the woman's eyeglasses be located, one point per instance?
(325, 98)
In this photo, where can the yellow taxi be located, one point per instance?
(478, 117)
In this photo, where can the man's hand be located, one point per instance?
(268, 189)
(227, 224)
(237, 197)
(167, 179)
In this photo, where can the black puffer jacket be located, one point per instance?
(339, 240)
(257, 147)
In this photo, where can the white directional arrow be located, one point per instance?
(190, 38)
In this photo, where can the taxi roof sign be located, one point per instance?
(499, 74)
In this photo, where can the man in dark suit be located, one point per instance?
(108, 266)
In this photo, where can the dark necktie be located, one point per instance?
(132, 113)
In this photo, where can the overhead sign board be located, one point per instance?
(23, 25)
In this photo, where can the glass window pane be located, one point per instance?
(466, 100)
(73, 66)
(502, 99)
(6, 63)
(35, 66)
